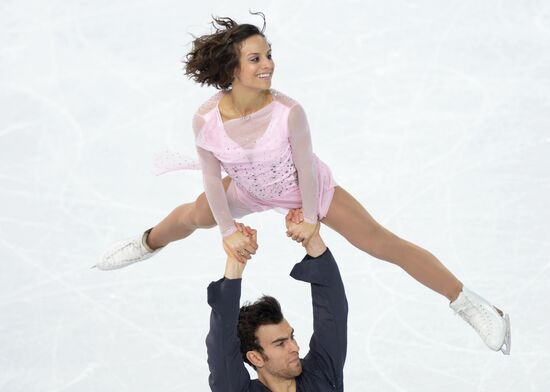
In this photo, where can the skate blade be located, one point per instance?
(507, 345)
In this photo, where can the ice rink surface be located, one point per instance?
(433, 114)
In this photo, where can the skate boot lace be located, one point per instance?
(477, 316)
(131, 248)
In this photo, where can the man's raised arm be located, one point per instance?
(227, 370)
(328, 344)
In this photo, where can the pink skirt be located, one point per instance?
(241, 203)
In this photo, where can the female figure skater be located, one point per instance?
(261, 139)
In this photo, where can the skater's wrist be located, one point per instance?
(315, 246)
(234, 269)
(229, 230)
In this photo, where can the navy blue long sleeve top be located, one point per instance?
(322, 367)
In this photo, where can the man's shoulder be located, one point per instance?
(257, 386)
(313, 378)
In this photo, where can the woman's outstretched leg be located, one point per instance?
(349, 218)
(180, 223)
(183, 221)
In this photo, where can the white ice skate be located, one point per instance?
(492, 325)
(126, 252)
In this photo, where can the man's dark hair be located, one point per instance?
(265, 311)
(215, 56)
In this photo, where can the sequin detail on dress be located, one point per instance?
(268, 156)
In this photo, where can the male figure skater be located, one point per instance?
(259, 335)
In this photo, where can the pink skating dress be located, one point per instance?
(268, 156)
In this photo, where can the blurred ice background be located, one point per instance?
(435, 115)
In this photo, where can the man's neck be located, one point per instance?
(277, 384)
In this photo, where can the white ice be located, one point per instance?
(447, 113)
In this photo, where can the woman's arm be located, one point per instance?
(213, 186)
(302, 155)
(215, 193)
(241, 245)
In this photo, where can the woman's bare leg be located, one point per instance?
(348, 217)
(183, 221)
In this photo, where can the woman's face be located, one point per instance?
(255, 64)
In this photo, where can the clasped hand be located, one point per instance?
(298, 229)
(243, 243)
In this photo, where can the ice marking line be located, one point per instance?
(162, 342)
(49, 102)
(87, 372)
(371, 355)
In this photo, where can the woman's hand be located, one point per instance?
(298, 229)
(241, 244)
(295, 215)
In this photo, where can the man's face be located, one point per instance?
(281, 352)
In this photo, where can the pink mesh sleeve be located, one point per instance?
(213, 186)
(302, 155)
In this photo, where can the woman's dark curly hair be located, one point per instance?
(214, 57)
(265, 311)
